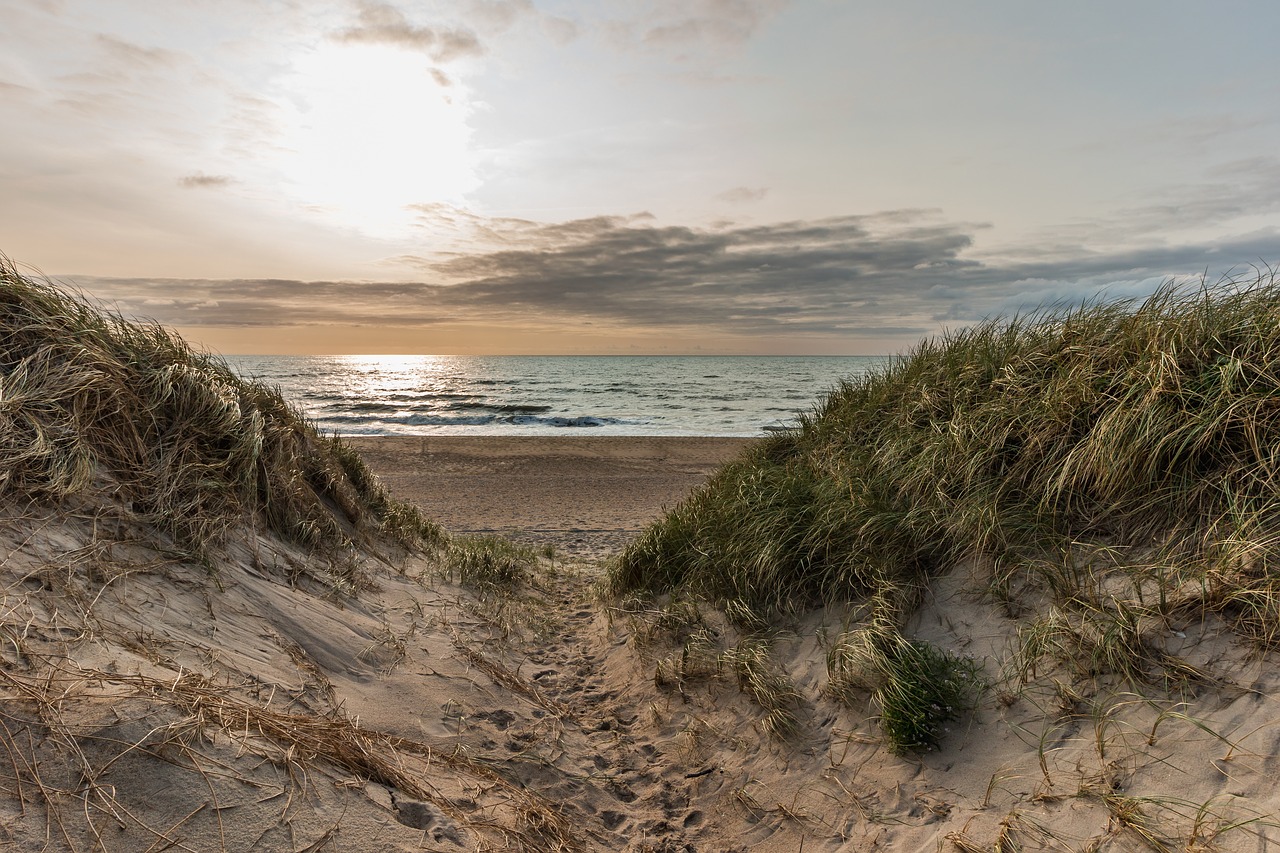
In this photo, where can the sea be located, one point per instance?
(553, 395)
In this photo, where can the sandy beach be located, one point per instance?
(585, 495)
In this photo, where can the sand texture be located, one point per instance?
(255, 703)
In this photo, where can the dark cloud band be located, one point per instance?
(901, 273)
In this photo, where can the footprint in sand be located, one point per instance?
(622, 791)
(424, 816)
(501, 718)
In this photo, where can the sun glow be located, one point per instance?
(393, 363)
(370, 131)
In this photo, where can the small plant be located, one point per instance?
(918, 686)
(925, 688)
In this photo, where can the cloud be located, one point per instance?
(267, 302)
(129, 54)
(1240, 188)
(702, 21)
(1233, 192)
(743, 195)
(382, 23)
(560, 30)
(697, 34)
(499, 14)
(803, 276)
(197, 180)
(903, 274)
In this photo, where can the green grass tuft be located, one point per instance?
(918, 686)
(925, 688)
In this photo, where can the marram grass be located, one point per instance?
(489, 565)
(1119, 462)
(92, 403)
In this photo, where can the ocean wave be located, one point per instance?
(580, 421)
(503, 408)
(371, 407)
(609, 389)
(448, 420)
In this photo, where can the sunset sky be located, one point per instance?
(521, 176)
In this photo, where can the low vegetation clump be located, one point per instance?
(489, 565)
(94, 406)
(1115, 467)
(919, 687)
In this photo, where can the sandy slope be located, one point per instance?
(152, 704)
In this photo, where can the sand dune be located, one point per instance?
(151, 703)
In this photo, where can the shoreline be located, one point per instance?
(586, 495)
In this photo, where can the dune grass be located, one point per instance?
(1116, 466)
(92, 403)
(490, 565)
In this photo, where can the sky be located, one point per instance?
(655, 176)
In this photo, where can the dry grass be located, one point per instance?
(507, 678)
(36, 719)
(760, 678)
